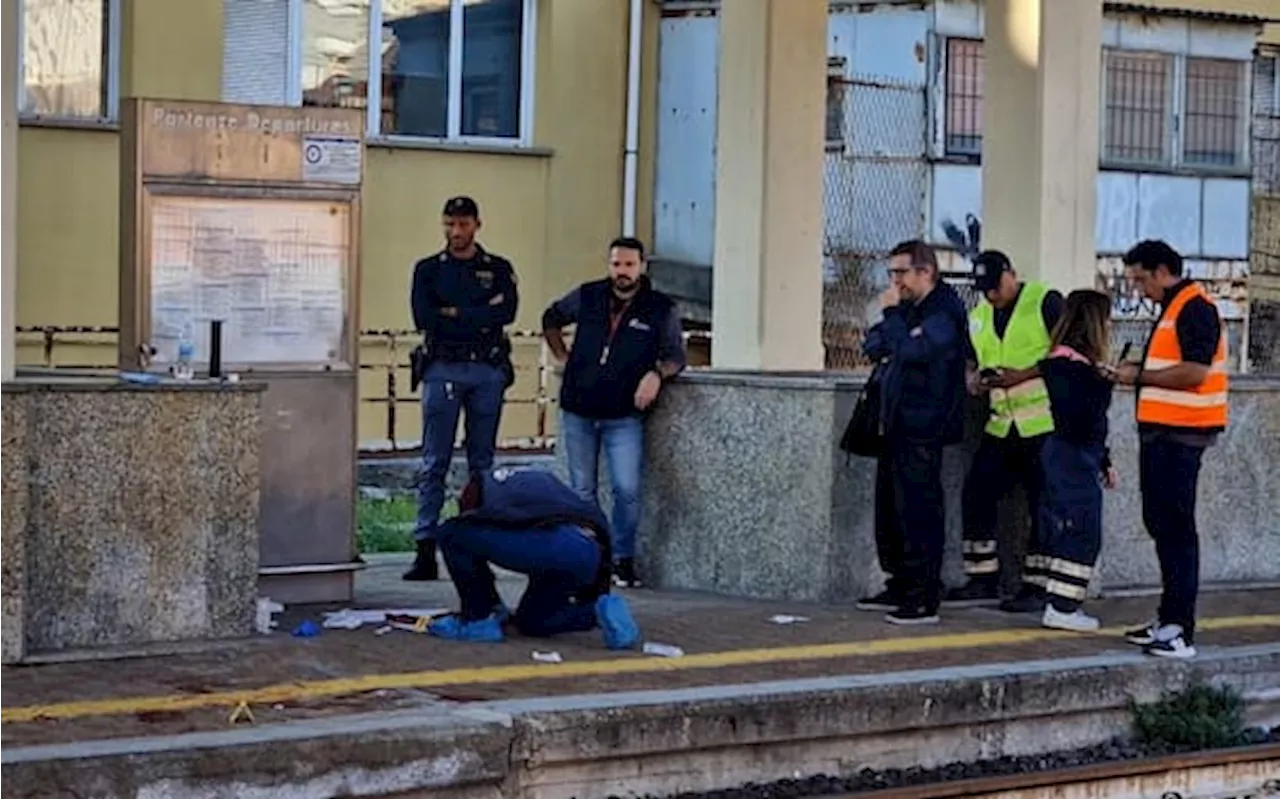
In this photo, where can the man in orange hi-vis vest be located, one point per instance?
(1181, 389)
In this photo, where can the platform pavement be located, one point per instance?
(415, 694)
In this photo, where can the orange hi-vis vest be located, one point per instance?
(1202, 407)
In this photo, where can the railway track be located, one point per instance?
(1251, 772)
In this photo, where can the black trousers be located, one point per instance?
(1070, 519)
(998, 466)
(1168, 472)
(911, 520)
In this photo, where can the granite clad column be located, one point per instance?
(1040, 136)
(767, 284)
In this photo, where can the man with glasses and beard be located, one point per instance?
(628, 341)
(921, 343)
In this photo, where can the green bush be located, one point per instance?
(1199, 717)
(386, 525)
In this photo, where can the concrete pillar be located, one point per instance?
(1040, 136)
(767, 287)
(9, 188)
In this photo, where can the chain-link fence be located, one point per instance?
(874, 190)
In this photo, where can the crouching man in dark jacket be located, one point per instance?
(922, 344)
(527, 521)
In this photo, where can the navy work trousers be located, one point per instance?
(911, 520)
(998, 466)
(561, 562)
(1169, 471)
(1071, 519)
(450, 388)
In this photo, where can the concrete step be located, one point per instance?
(649, 742)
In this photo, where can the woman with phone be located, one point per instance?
(1075, 460)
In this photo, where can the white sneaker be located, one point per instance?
(1176, 647)
(1076, 621)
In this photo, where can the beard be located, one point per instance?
(624, 285)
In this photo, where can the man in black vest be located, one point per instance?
(628, 341)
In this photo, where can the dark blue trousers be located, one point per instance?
(910, 519)
(561, 563)
(450, 389)
(1169, 472)
(1070, 519)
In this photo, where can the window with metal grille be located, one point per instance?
(1214, 113)
(1137, 107)
(963, 98)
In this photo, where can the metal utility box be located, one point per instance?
(251, 215)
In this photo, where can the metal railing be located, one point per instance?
(395, 344)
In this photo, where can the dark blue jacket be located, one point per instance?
(923, 380)
(526, 499)
(607, 362)
(442, 281)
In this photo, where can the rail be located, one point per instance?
(1251, 772)
(393, 364)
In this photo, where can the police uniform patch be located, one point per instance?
(485, 276)
(975, 326)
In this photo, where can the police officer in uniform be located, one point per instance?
(1010, 331)
(462, 298)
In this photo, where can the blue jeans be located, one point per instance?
(447, 389)
(623, 443)
(561, 563)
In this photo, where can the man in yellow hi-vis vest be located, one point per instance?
(1009, 332)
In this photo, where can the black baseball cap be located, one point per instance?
(988, 266)
(461, 206)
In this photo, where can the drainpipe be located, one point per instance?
(631, 152)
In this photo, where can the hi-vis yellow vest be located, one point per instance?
(1025, 343)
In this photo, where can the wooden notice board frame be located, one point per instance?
(251, 188)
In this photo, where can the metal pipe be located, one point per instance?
(630, 155)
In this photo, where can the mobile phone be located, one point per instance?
(989, 374)
(1124, 353)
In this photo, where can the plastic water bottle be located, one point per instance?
(182, 368)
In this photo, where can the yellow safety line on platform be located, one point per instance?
(297, 691)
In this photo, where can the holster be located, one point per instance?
(500, 356)
(419, 359)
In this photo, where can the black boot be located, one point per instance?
(980, 590)
(425, 567)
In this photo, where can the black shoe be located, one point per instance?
(913, 614)
(624, 573)
(1142, 636)
(1027, 600)
(424, 567)
(975, 592)
(885, 600)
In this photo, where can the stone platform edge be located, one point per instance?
(650, 742)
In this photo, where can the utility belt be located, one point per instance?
(495, 353)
